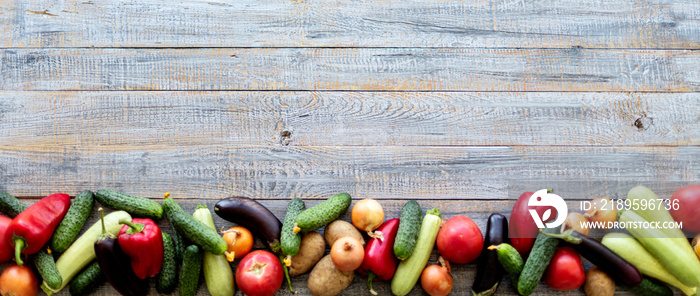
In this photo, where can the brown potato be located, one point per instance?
(598, 283)
(340, 228)
(310, 252)
(326, 280)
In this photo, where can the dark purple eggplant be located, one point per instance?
(116, 265)
(251, 214)
(489, 271)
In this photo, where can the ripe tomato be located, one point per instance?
(521, 228)
(460, 240)
(240, 242)
(18, 281)
(565, 272)
(685, 207)
(259, 274)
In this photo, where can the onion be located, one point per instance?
(577, 222)
(602, 210)
(368, 215)
(347, 253)
(696, 245)
(436, 279)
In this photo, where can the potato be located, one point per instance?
(310, 252)
(340, 228)
(326, 280)
(598, 283)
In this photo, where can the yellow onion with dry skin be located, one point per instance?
(602, 210)
(368, 215)
(577, 222)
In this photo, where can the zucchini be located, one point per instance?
(320, 215)
(166, 280)
(536, 264)
(631, 250)
(678, 259)
(290, 241)
(72, 222)
(190, 271)
(642, 196)
(138, 206)
(46, 266)
(10, 205)
(82, 251)
(511, 261)
(87, 281)
(409, 270)
(194, 230)
(650, 288)
(217, 272)
(409, 227)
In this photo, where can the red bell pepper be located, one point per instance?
(32, 228)
(6, 253)
(380, 262)
(522, 229)
(142, 241)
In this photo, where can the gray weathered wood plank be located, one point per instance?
(212, 171)
(348, 118)
(409, 69)
(313, 23)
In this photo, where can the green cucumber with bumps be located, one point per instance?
(72, 222)
(536, 264)
(10, 205)
(650, 288)
(290, 241)
(166, 280)
(409, 228)
(87, 280)
(138, 206)
(191, 269)
(511, 261)
(320, 215)
(192, 229)
(46, 266)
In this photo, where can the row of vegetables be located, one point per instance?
(127, 251)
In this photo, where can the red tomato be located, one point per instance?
(521, 228)
(460, 240)
(18, 281)
(259, 274)
(565, 272)
(685, 207)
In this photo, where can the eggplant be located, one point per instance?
(254, 216)
(489, 271)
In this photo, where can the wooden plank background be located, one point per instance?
(461, 105)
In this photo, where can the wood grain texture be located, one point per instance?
(212, 171)
(315, 23)
(350, 69)
(348, 118)
(463, 274)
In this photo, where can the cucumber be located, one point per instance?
(409, 270)
(409, 227)
(170, 207)
(536, 264)
(511, 261)
(316, 217)
(190, 271)
(47, 268)
(138, 206)
(217, 272)
(179, 245)
(650, 288)
(72, 222)
(87, 281)
(82, 251)
(631, 250)
(289, 240)
(166, 280)
(10, 205)
(194, 230)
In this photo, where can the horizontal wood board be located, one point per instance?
(154, 118)
(316, 23)
(354, 69)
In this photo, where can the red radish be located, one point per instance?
(347, 253)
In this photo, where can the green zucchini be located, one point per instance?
(650, 288)
(138, 206)
(409, 227)
(217, 272)
(511, 261)
(320, 215)
(72, 222)
(194, 230)
(290, 241)
(87, 281)
(409, 270)
(46, 266)
(536, 264)
(10, 205)
(82, 251)
(190, 271)
(166, 280)
(651, 210)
